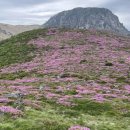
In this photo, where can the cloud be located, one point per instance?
(118, 5)
(23, 3)
(121, 8)
(39, 11)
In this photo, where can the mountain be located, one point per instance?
(7, 30)
(65, 79)
(87, 18)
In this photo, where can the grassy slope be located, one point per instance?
(15, 49)
(52, 116)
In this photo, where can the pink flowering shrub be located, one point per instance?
(69, 66)
(4, 100)
(10, 110)
(78, 128)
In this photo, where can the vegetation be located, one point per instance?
(54, 79)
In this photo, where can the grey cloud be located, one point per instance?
(121, 8)
(39, 11)
(22, 3)
(118, 5)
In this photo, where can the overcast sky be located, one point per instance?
(39, 11)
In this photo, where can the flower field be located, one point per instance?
(59, 79)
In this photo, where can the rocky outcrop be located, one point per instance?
(87, 18)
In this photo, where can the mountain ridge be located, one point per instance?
(7, 30)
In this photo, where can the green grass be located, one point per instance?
(11, 53)
(16, 49)
(121, 79)
(93, 108)
(50, 119)
(13, 76)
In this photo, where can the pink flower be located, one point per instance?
(10, 110)
(4, 100)
(127, 88)
(78, 128)
(99, 98)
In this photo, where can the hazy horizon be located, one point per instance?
(31, 12)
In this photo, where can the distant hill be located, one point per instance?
(87, 18)
(7, 30)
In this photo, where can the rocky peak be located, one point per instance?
(87, 18)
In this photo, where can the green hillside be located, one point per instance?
(60, 79)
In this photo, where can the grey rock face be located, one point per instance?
(14, 95)
(87, 18)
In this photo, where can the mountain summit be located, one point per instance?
(87, 18)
